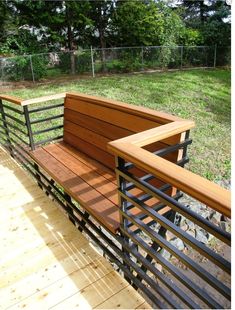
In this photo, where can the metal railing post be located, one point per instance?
(6, 128)
(120, 164)
(29, 128)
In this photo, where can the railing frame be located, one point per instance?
(124, 246)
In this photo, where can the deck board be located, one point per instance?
(45, 261)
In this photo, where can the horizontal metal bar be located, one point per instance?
(15, 119)
(36, 121)
(146, 178)
(48, 129)
(192, 286)
(18, 137)
(175, 205)
(14, 127)
(143, 216)
(205, 275)
(18, 145)
(173, 148)
(207, 252)
(13, 109)
(161, 277)
(46, 108)
(48, 140)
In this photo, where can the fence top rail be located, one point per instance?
(23, 102)
(130, 148)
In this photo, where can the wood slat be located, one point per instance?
(95, 165)
(91, 150)
(95, 203)
(95, 293)
(156, 116)
(122, 119)
(98, 182)
(67, 286)
(86, 135)
(105, 129)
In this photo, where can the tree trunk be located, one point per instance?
(70, 41)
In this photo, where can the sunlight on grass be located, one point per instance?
(200, 95)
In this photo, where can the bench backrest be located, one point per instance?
(91, 122)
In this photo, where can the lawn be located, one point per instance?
(200, 95)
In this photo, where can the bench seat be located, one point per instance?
(87, 181)
(84, 179)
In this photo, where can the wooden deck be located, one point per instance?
(45, 261)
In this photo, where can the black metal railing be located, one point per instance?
(20, 125)
(181, 281)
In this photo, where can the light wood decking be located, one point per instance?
(45, 261)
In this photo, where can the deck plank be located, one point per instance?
(45, 262)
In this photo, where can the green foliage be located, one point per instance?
(137, 23)
(83, 62)
(191, 37)
(20, 68)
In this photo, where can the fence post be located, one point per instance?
(31, 65)
(215, 52)
(181, 57)
(92, 63)
(142, 57)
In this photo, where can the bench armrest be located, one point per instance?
(130, 149)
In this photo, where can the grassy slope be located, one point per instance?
(200, 95)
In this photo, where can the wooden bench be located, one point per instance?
(124, 167)
(81, 163)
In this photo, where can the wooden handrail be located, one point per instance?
(43, 99)
(12, 99)
(194, 185)
(22, 102)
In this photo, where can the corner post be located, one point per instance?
(121, 182)
(29, 128)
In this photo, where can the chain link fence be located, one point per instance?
(111, 60)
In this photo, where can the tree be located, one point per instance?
(58, 24)
(137, 23)
(100, 14)
(211, 19)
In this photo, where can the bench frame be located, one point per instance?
(122, 247)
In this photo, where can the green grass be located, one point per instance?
(199, 95)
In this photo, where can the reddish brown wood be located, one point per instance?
(91, 150)
(93, 201)
(105, 129)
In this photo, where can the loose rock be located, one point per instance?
(178, 243)
(201, 236)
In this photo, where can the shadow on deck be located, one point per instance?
(45, 261)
